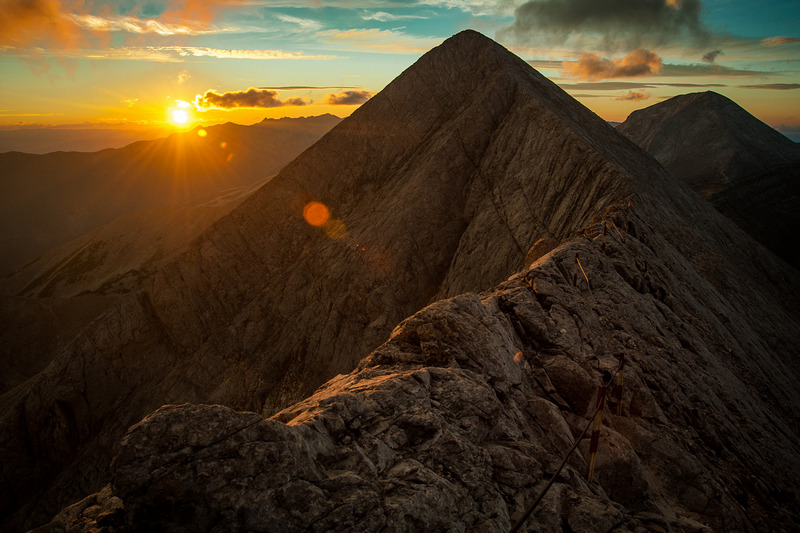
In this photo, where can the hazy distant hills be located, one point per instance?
(747, 170)
(46, 200)
(442, 300)
(46, 140)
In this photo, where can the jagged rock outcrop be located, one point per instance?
(747, 170)
(443, 181)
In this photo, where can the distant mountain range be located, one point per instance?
(406, 329)
(747, 170)
(63, 139)
(46, 200)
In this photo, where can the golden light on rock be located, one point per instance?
(316, 213)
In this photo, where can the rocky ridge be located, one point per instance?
(747, 170)
(458, 421)
(446, 201)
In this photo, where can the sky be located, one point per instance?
(187, 63)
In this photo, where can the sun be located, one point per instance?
(179, 116)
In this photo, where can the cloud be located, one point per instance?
(252, 97)
(774, 86)
(591, 66)
(622, 85)
(183, 76)
(382, 16)
(474, 7)
(634, 96)
(347, 98)
(610, 24)
(304, 87)
(374, 40)
(142, 26)
(159, 53)
(221, 53)
(780, 41)
(26, 21)
(710, 57)
(673, 70)
(305, 24)
(71, 23)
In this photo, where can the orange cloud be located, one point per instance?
(250, 98)
(347, 98)
(634, 96)
(66, 23)
(780, 41)
(25, 21)
(591, 66)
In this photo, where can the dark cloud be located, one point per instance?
(250, 98)
(634, 96)
(347, 98)
(710, 57)
(617, 23)
(593, 67)
(774, 86)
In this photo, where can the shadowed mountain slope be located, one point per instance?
(438, 186)
(76, 282)
(46, 200)
(116, 257)
(747, 170)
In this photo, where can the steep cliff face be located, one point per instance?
(437, 187)
(747, 170)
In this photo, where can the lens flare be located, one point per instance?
(335, 229)
(201, 132)
(316, 213)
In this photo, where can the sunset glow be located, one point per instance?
(121, 64)
(180, 116)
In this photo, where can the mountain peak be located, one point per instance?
(695, 124)
(746, 169)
